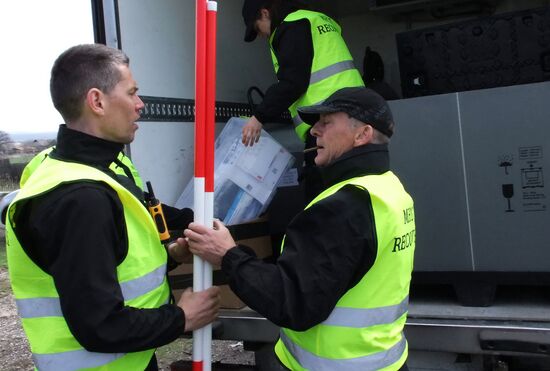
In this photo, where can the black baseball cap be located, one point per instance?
(251, 10)
(363, 104)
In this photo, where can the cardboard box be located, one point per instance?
(255, 235)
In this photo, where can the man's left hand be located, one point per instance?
(179, 251)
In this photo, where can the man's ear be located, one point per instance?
(95, 101)
(363, 135)
(265, 13)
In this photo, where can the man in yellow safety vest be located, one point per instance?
(86, 264)
(311, 60)
(339, 291)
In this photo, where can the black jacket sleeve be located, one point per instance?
(328, 249)
(293, 47)
(177, 219)
(76, 233)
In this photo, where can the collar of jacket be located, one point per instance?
(363, 160)
(76, 146)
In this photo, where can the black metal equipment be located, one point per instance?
(500, 50)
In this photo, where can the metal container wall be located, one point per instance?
(474, 163)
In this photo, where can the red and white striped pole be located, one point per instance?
(211, 18)
(205, 118)
(199, 179)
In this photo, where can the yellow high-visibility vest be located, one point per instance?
(141, 275)
(365, 329)
(332, 67)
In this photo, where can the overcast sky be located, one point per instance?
(32, 34)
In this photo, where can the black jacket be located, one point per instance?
(77, 234)
(328, 249)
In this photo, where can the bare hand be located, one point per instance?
(200, 308)
(179, 251)
(207, 243)
(251, 131)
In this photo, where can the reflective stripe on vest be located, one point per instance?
(61, 361)
(41, 307)
(38, 307)
(331, 70)
(332, 67)
(376, 361)
(73, 360)
(365, 317)
(50, 307)
(139, 286)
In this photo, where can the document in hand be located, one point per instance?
(245, 177)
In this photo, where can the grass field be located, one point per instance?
(16, 163)
(22, 158)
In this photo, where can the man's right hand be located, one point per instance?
(251, 131)
(200, 308)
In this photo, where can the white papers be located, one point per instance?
(253, 159)
(245, 177)
(289, 178)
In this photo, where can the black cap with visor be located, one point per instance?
(251, 12)
(361, 103)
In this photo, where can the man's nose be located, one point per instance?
(139, 103)
(315, 129)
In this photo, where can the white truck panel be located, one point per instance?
(159, 38)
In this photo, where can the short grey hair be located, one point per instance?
(79, 69)
(378, 137)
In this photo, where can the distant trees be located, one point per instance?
(14, 156)
(5, 139)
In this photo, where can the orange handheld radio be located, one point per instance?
(155, 208)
